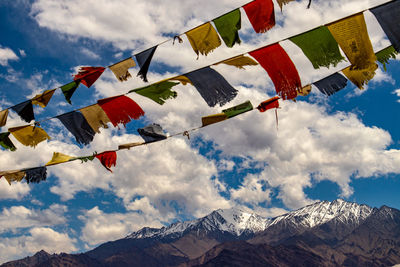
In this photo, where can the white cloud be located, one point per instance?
(397, 92)
(6, 54)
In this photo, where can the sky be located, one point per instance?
(345, 146)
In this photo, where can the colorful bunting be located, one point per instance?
(13, 176)
(305, 90)
(144, 60)
(283, 2)
(88, 75)
(25, 110)
(385, 55)
(239, 62)
(212, 86)
(360, 77)
(29, 135)
(120, 69)
(107, 159)
(44, 98)
(319, 46)
(261, 14)
(269, 104)
(120, 109)
(59, 158)
(3, 117)
(239, 109)
(77, 125)
(331, 84)
(203, 39)
(228, 27)
(158, 92)
(280, 68)
(6, 143)
(152, 133)
(207, 120)
(95, 116)
(36, 175)
(69, 89)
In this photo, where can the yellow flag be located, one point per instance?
(3, 117)
(95, 116)
(352, 36)
(283, 2)
(183, 79)
(12, 176)
(305, 91)
(120, 69)
(43, 99)
(240, 62)
(203, 39)
(360, 77)
(213, 119)
(128, 146)
(58, 158)
(29, 135)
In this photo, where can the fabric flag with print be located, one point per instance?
(29, 135)
(144, 59)
(305, 90)
(212, 86)
(158, 92)
(280, 69)
(44, 98)
(3, 117)
(239, 109)
(331, 84)
(89, 75)
(13, 176)
(69, 89)
(77, 125)
(95, 116)
(182, 79)
(352, 36)
(261, 15)
(320, 47)
(152, 133)
(389, 19)
(211, 119)
(228, 27)
(269, 104)
(283, 2)
(6, 143)
(25, 110)
(239, 62)
(59, 158)
(35, 175)
(120, 109)
(360, 77)
(121, 68)
(203, 39)
(107, 159)
(385, 55)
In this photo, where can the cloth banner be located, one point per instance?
(59, 158)
(107, 159)
(95, 116)
(261, 15)
(36, 175)
(44, 98)
(203, 39)
(13, 176)
(305, 90)
(269, 104)
(239, 109)
(130, 145)
(3, 117)
(88, 75)
(360, 77)
(144, 60)
(77, 125)
(207, 120)
(158, 92)
(331, 84)
(120, 109)
(69, 89)
(239, 62)
(228, 27)
(182, 79)
(25, 110)
(6, 143)
(29, 135)
(152, 133)
(385, 55)
(120, 69)
(283, 2)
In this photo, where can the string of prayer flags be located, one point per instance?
(319, 46)
(213, 88)
(44, 98)
(152, 133)
(261, 15)
(69, 89)
(3, 117)
(228, 27)
(95, 116)
(36, 175)
(269, 104)
(280, 68)
(158, 92)
(25, 110)
(283, 2)
(239, 62)
(29, 135)
(107, 159)
(305, 90)
(120, 109)
(207, 120)
(239, 109)
(352, 36)
(6, 143)
(88, 75)
(203, 39)
(144, 60)
(331, 84)
(121, 68)
(13, 176)
(384, 56)
(360, 77)
(389, 19)
(59, 158)
(77, 125)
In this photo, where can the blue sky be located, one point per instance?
(343, 146)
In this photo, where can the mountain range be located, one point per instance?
(337, 233)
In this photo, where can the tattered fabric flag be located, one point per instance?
(3, 117)
(44, 98)
(261, 15)
(152, 133)
(25, 110)
(211, 119)
(95, 116)
(239, 109)
(269, 104)
(13, 176)
(77, 125)
(305, 90)
(212, 86)
(228, 27)
(283, 2)
(385, 55)
(203, 39)
(389, 19)
(6, 143)
(239, 62)
(35, 175)
(120, 109)
(129, 145)
(331, 84)
(120, 69)
(360, 77)
(319, 46)
(280, 68)
(69, 89)
(29, 135)
(107, 159)
(158, 92)
(182, 79)
(59, 158)
(88, 75)
(85, 158)
(144, 60)
(352, 35)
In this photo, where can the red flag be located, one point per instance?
(280, 68)
(88, 75)
(107, 159)
(261, 15)
(268, 104)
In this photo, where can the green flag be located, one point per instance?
(158, 92)
(5, 142)
(69, 89)
(228, 26)
(385, 55)
(239, 109)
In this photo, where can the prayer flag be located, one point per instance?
(95, 116)
(212, 86)
(239, 62)
(158, 92)
(228, 27)
(69, 89)
(385, 55)
(25, 110)
(239, 109)
(283, 2)
(3, 117)
(211, 119)
(120, 109)
(144, 60)
(6, 143)
(88, 75)
(129, 145)
(305, 90)
(29, 135)
(43, 99)
(280, 68)
(77, 125)
(152, 133)
(182, 79)
(85, 158)
(360, 77)
(107, 159)
(58, 158)
(203, 39)
(120, 69)
(261, 14)
(35, 175)
(13, 176)
(269, 104)
(331, 84)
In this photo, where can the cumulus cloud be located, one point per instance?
(6, 54)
